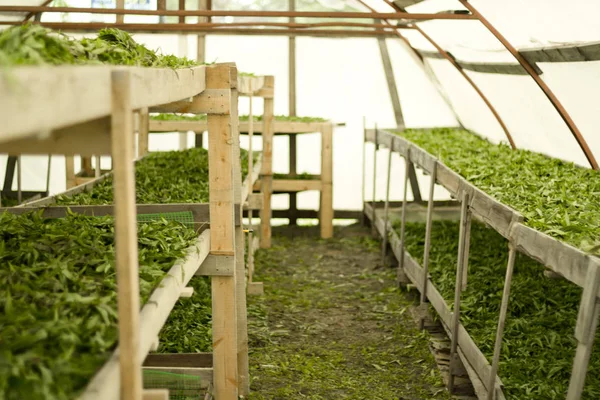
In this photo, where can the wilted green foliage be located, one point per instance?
(32, 44)
(538, 344)
(161, 177)
(58, 300)
(555, 197)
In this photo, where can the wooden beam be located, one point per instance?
(267, 166)
(126, 250)
(120, 5)
(326, 200)
(222, 241)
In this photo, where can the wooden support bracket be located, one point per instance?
(210, 101)
(217, 265)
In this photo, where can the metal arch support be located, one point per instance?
(540, 82)
(449, 57)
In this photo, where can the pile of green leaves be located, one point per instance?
(305, 176)
(202, 117)
(538, 344)
(189, 327)
(58, 300)
(555, 197)
(32, 44)
(161, 177)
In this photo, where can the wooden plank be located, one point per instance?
(427, 248)
(126, 250)
(37, 100)
(492, 212)
(179, 360)
(267, 166)
(312, 214)
(448, 178)
(177, 126)
(250, 85)
(326, 201)
(222, 241)
(384, 244)
(560, 257)
(291, 185)
(210, 101)
(155, 394)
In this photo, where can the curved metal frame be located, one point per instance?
(448, 57)
(540, 82)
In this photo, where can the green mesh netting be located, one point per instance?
(185, 217)
(180, 386)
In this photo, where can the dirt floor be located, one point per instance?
(333, 324)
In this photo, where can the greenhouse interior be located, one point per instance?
(170, 228)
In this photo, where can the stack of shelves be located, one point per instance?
(88, 110)
(571, 263)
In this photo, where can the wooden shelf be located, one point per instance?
(560, 257)
(280, 127)
(37, 101)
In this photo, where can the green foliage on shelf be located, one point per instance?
(303, 176)
(161, 177)
(538, 345)
(189, 327)
(32, 44)
(555, 197)
(58, 297)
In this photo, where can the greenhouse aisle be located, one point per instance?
(333, 325)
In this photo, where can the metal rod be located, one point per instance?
(364, 172)
(240, 13)
(460, 69)
(465, 215)
(374, 214)
(48, 175)
(387, 204)
(194, 28)
(429, 225)
(540, 82)
(19, 180)
(501, 321)
(404, 209)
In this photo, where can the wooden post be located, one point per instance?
(429, 225)
(201, 45)
(120, 6)
(19, 179)
(465, 215)
(182, 8)
(512, 253)
(387, 204)
(70, 171)
(587, 322)
(374, 213)
(292, 112)
(222, 241)
(48, 175)
(250, 169)
(326, 208)
(402, 278)
(240, 266)
(364, 172)
(98, 169)
(143, 132)
(267, 166)
(126, 250)
(395, 99)
(466, 253)
(293, 208)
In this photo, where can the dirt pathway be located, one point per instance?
(333, 325)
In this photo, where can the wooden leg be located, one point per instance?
(222, 242)
(267, 166)
(426, 250)
(374, 216)
(364, 172)
(126, 250)
(293, 165)
(501, 321)
(326, 209)
(587, 322)
(401, 275)
(465, 216)
(70, 171)
(386, 208)
(143, 132)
